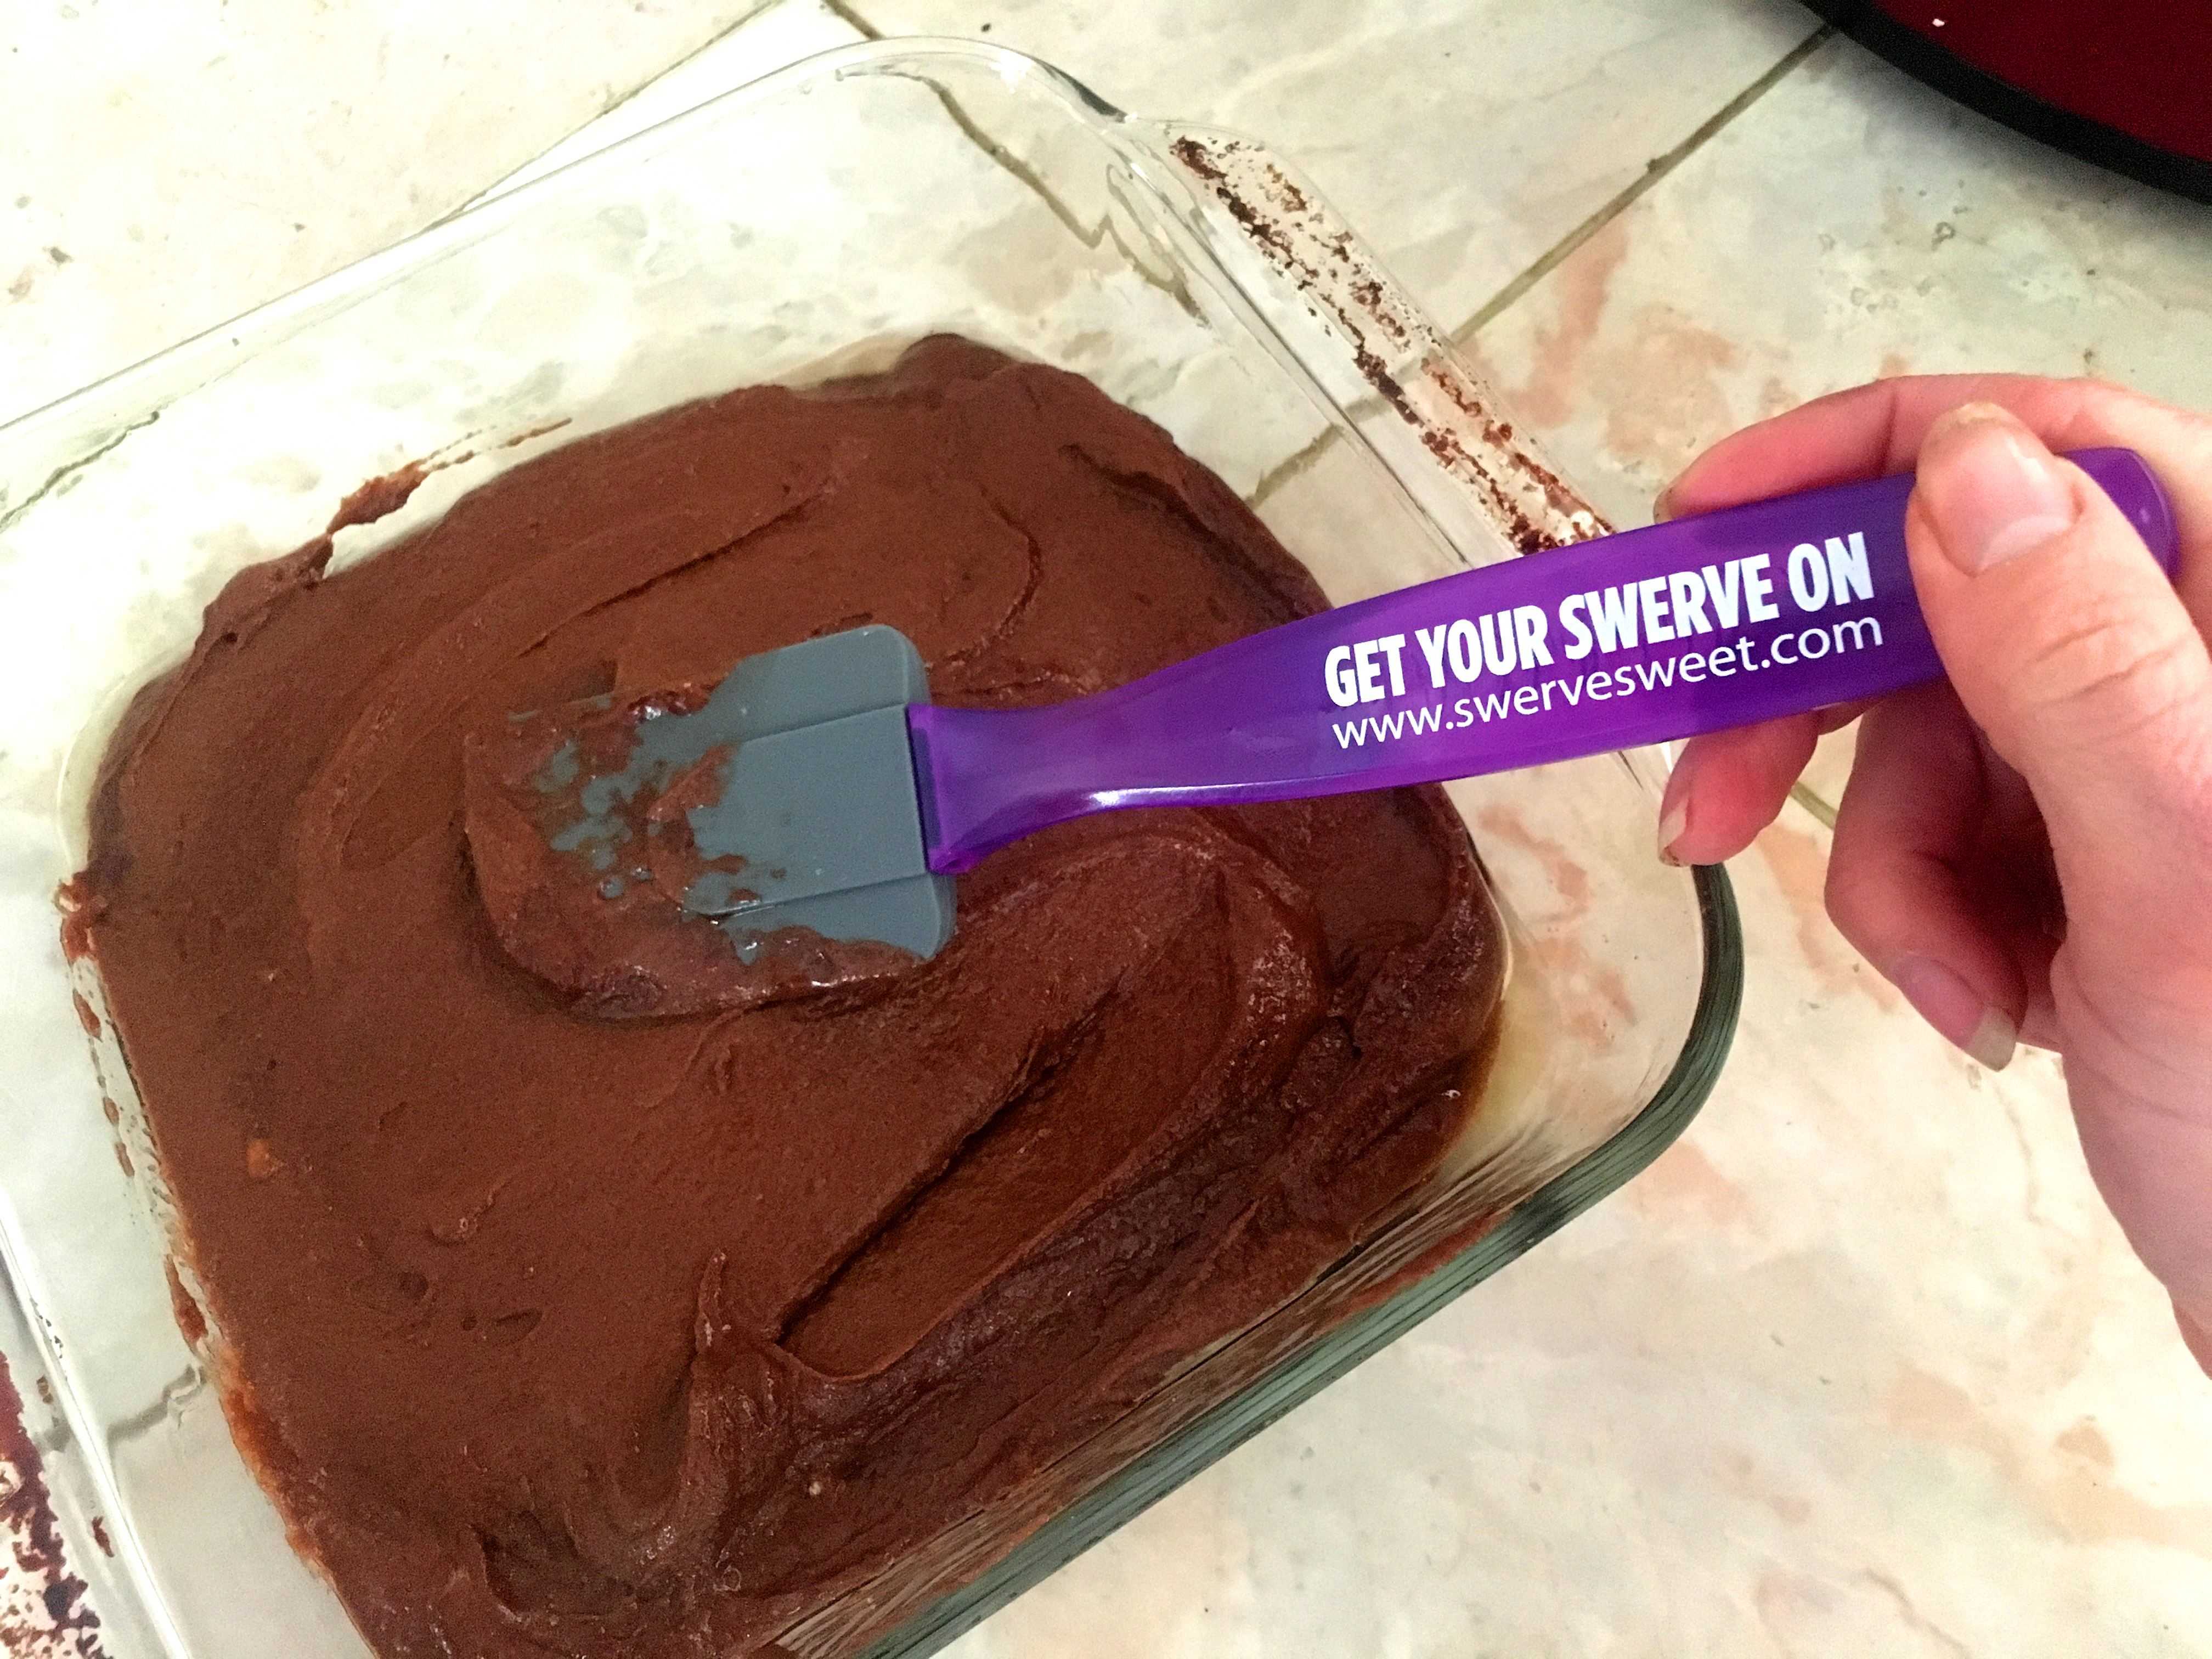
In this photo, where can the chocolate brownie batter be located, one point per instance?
(558, 1333)
(612, 931)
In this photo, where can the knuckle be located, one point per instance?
(2105, 674)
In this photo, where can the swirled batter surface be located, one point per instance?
(553, 1332)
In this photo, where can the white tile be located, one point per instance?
(1849, 224)
(167, 164)
(1462, 138)
(782, 33)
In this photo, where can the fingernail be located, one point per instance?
(1990, 488)
(1952, 1006)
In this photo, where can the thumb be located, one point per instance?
(2070, 648)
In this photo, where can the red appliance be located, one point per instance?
(2123, 83)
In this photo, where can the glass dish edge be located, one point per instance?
(1228, 1424)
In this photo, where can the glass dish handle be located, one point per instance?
(1407, 363)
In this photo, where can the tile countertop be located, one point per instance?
(1861, 1366)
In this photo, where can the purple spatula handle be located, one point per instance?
(1751, 613)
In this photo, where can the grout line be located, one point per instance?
(11, 515)
(1658, 169)
(851, 19)
(1803, 795)
(712, 40)
(500, 184)
(1283, 471)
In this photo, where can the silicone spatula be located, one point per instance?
(848, 800)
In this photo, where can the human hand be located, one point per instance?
(2025, 851)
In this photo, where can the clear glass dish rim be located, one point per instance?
(1219, 1429)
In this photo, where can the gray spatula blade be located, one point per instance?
(819, 800)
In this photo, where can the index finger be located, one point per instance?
(1871, 431)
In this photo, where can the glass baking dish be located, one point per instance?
(811, 224)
